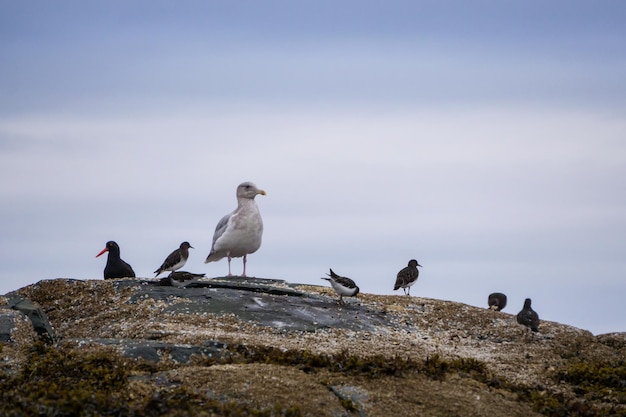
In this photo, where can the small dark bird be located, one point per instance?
(180, 279)
(496, 301)
(407, 277)
(528, 317)
(342, 286)
(176, 259)
(115, 267)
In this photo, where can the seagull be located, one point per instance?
(180, 279)
(176, 259)
(496, 301)
(342, 286)
(407, 277)
(528, 317)
(116, 267)
(239, 233)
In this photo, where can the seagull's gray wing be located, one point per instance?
(220, 228)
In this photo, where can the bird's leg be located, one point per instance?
(408, 292)
(229, 274)
(244, 265)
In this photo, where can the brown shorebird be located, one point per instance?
(528, 317)
(496, 301)
(407, 277)
(176, 259)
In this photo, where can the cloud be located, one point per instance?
(491, 152)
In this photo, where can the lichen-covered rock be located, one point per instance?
(16, 336)
(266, 346)
(15, 327)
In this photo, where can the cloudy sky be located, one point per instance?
(485, 139)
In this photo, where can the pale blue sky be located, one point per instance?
(485, 139)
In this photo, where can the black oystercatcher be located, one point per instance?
(116, 267)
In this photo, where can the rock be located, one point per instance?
(16, 334)
(9, 323)
(267, 346)
(155, 351)
(38, 318)
(263, 302)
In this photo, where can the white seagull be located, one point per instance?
(239, 233)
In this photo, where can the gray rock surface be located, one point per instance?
(203, 339)
(265, 302)
(37, 316)
(154, 351)
(7, 325)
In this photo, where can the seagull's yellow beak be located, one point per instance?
(262, 192)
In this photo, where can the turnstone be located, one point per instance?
(342, 286)
(496, 301)
(407, 277)
(176, 259)
(239, 233)
(115, 267)
(180, 279)
(528, 317)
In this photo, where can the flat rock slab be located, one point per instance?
(155, 351)
(265, 302)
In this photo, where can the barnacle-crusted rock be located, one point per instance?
(247, 346)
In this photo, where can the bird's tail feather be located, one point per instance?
(213, 256)
(332, 274)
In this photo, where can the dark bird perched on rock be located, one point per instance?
(407, 277)
(180, 279)
(115, 267)
(239, 233)
(176, 259)
(342, 286)
(528, 317)
(496, 301)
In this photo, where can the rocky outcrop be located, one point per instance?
(35, 314)
(249, 346)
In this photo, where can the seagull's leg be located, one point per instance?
(408, 292)
(244, 265)
(229, 274)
